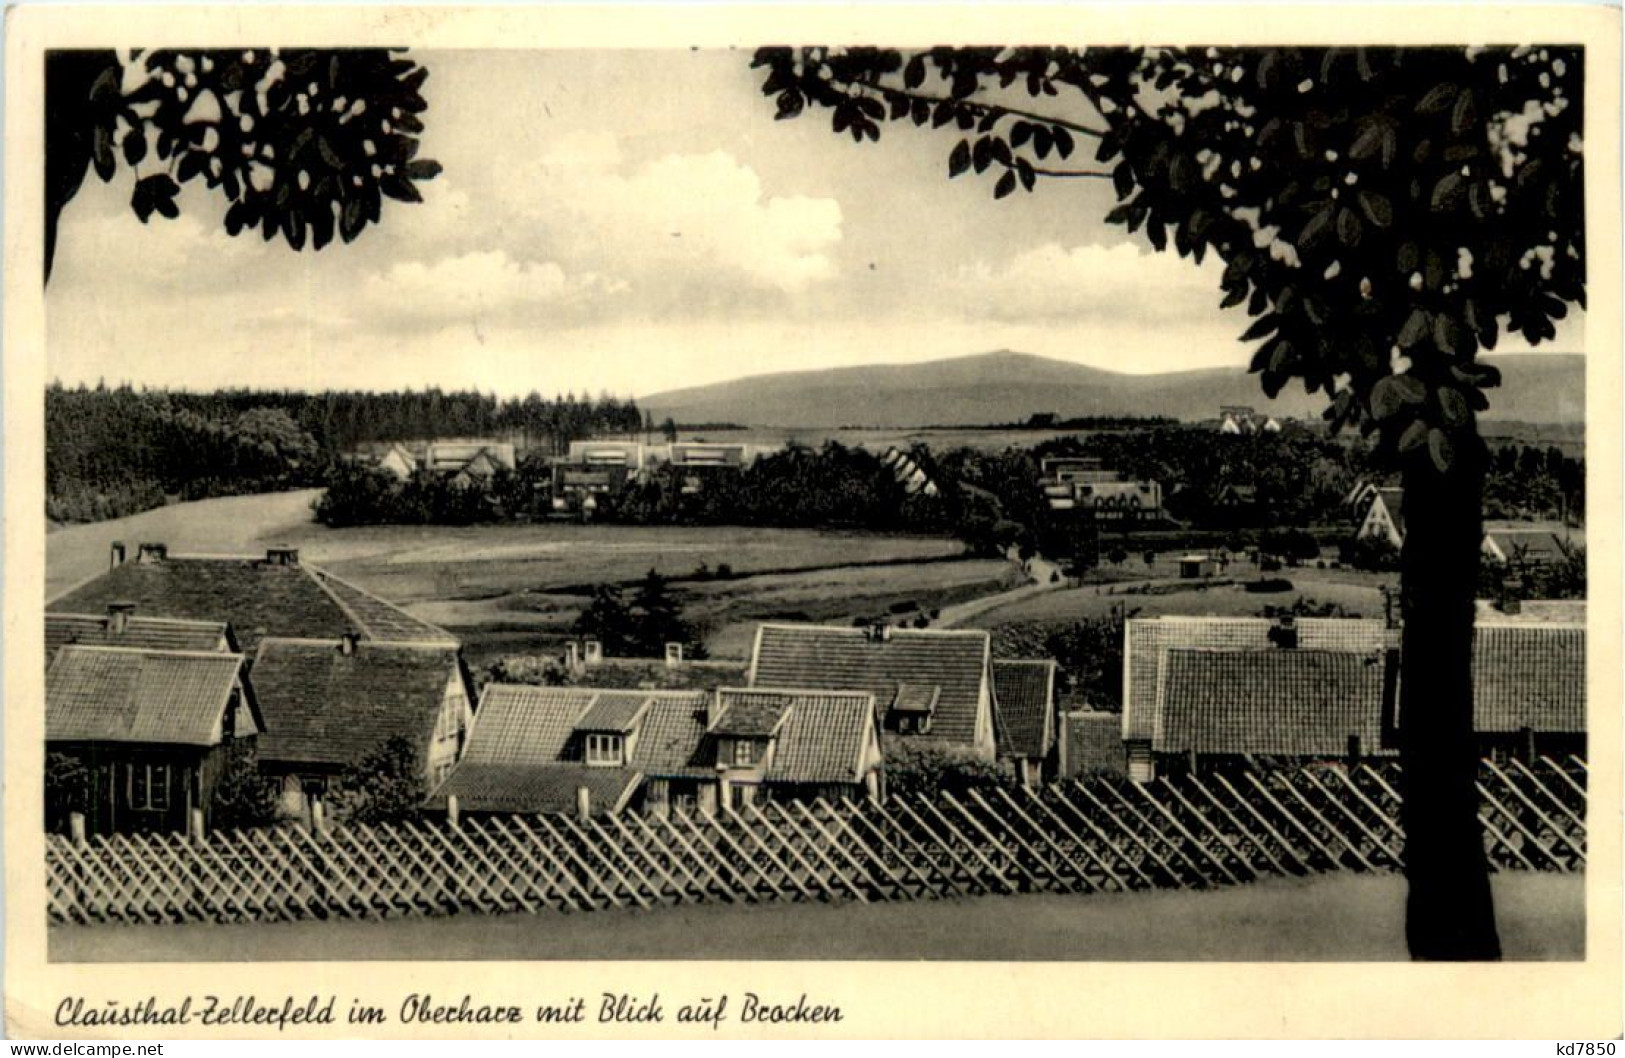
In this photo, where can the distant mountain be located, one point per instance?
(1005, 387)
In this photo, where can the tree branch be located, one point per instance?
(986, 108)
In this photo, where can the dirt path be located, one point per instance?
(1043, 576)
(1331, 918)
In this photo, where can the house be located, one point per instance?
(273, 595)
(536, 749)
(1193, 566)
(1147, 642)
(930, 685)
(696, 462)
(398, 461)
(1208, 690)
(1024, 697)
(1529, 687)
(328, 703)
(469, 461)
(152, 729)
(121, 626)
(915, 479)
(1530, 544)
(1237, 419)
(1384, 517)
(1082, 483)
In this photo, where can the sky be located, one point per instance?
(631, 222)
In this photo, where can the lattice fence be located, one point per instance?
(1194, 832)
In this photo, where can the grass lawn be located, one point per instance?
(1331, 918)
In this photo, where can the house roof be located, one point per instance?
(148, 633)
(1091, 741)
(257, 597)
(518, 724)
(323, 706)
(613, 712)
(118, 694)
(821, 735)
(1024, 692)
(852, 659)
(745, 715)
(1534, 545)
(1529, 675)
(1393, 500)
(1147, 639)
(1290, 702)
(528, 788)
(457, 455)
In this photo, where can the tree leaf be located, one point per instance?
(423, 169)
(1451, 337)
(1415, 328)
(1414, 437)
(1123, 179)
(135, 145)
(959, 159)
(1447, 192)
(981, 155)
(1265, 324)
(1437, 99)
(1316, 227)
(101, 152)
(1442, 449)
(396, 187)
(1006, 184)
(1377, 209)
(1453, 409)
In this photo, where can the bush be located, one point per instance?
(243, 798)
(1370, 553)
(385, 786)
(1268, 585)
(926, 770)
(67, 789)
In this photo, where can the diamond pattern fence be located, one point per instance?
(1196, 831)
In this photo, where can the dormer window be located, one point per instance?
(606, 751)
(747, 752)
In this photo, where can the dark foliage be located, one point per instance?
(642, 627)
(920, 769)
(243, 797)
(385, 786)
(302, 143)
(67, 789)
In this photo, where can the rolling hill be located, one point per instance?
(1005, 387)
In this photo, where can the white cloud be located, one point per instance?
(483, 287)
(1119, 281)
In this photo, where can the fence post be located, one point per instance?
(195, 826)
(583, 803)
(318, 814)
(76, 828)
(453, 816)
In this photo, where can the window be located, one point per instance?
(149, 787)
(605, 750)
(746, 752)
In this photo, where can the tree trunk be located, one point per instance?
(1449, 913)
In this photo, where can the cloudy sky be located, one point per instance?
(630, 222)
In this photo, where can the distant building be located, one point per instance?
(932, 686)
(1236, 420)
(1090, 743)
(1531, 544)
(151, 728)
(1081, 483)
(908, 472)
(1192, 567)
(271, 595)
(399, 461)
(1384, 517)
(121, 626)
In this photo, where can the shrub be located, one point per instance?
(385, 786)
(243, 797)
(1268, 585)
(914, 769)
(67, 788)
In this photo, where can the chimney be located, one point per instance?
(348, 642)
(572, 656)
(282, 556)
(118, 616)
(151, 552)
(594, 652)
(674, 655)
(116, 559)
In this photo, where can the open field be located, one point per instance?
(1328, 918)
(1358, 593)
(510, 588)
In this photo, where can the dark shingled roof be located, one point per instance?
(1025, 695)
(529, 788)
(851, 659)
(145, 633)
(322, 706)
(1147, 640)
(821, 737)
(115, 694)
(612, 711)
(1284, 702)
(256, 597)
(1529, 676)
(748, 715)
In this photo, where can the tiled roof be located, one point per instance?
(821, 734)
(114, 694)
(256, 597)
(747, 715)
(147, 633)
(1529, 676)
(1025, 694)
(613, 711)
(672, 740)
(381, 620)
(523, 725)
(547, 788)
(1532, 545)
(1146, 639)
(916, 698)
(1092, 742)
(1288, 702)
(851, 659)
(323, 706)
